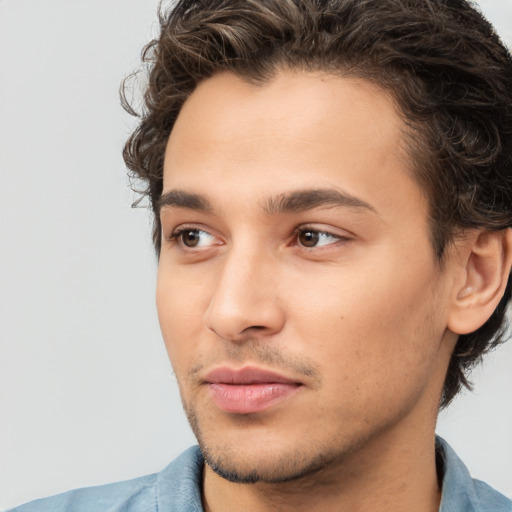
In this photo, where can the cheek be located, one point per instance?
(179, 314)
(373, 330)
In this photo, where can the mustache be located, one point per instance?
(260, 353)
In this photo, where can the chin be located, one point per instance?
(241, 456)
(280, 446)
(268, 466)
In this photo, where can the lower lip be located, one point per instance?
(249, 398)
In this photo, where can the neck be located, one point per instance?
(393, 473)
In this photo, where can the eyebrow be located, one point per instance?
(293, 202)
(182, 199)
(304, 200)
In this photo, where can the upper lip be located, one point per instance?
(246, 375)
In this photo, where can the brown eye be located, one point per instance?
(308, 238)
(193, 238)
(190, 237)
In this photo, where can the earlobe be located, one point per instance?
(488, 259)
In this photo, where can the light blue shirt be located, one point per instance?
(178, 489)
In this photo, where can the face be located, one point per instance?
(298, 295)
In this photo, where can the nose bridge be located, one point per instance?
(245, 297)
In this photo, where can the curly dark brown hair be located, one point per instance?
(448, 71)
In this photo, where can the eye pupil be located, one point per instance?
(190, 238)
(308, 238)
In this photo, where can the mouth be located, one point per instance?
(248, 389)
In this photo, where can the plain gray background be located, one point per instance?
(87, 395)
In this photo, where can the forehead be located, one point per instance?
(310, 107)
(298, 130)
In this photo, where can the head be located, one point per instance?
(444, 86)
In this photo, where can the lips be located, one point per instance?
(249, 389)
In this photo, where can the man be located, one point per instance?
(332, 189)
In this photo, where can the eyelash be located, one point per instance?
(176, 235)
(304, 229)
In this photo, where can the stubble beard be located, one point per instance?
(226, 458)
(307, 463)
(227, 461)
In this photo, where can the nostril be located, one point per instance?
(255, 328)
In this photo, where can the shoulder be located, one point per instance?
(461, 492)
(130, 496)
(489, 499)
(177, 483)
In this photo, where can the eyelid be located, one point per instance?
(180, 228)
(326, 230)
(175, 234)
(338, 235)
(344, 237)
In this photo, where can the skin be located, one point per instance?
(360, 319)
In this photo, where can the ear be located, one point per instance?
(487, 259)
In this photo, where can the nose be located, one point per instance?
(245, 302)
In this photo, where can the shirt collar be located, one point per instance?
(179, 485)
(460, 492)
